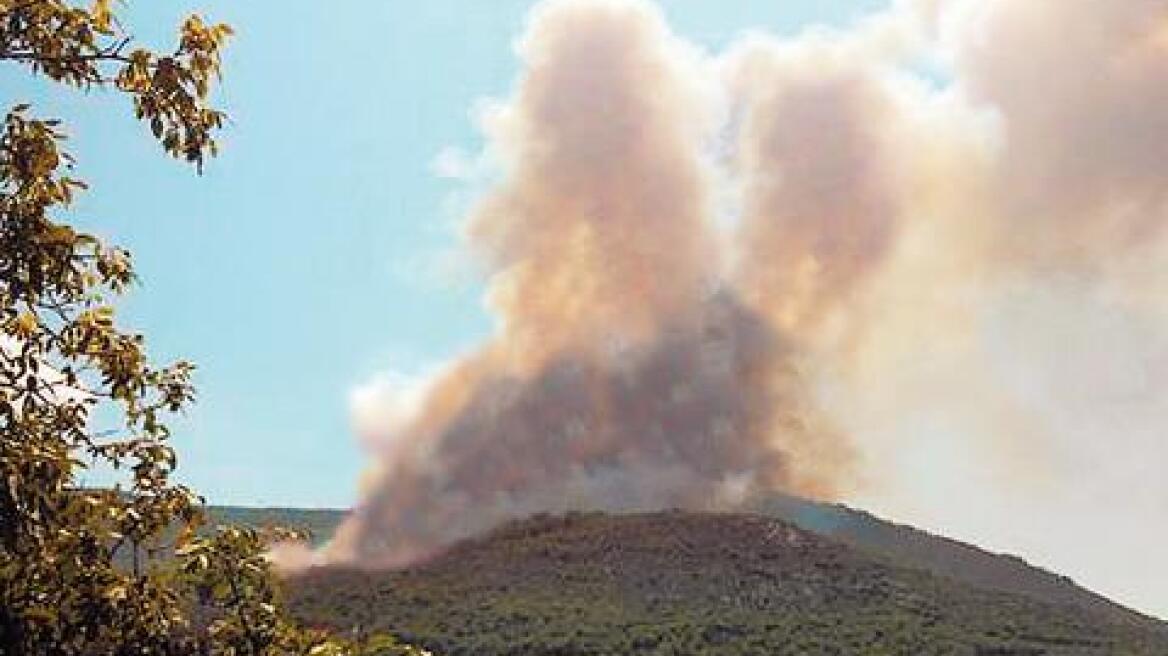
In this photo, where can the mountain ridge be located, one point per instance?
(902, 543)
(683, 582)
(939, 554)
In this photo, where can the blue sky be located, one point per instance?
(301, 263)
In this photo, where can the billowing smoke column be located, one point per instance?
(693, 418)
(939, 233)
(627, 373)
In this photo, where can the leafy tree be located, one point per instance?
(119, 570)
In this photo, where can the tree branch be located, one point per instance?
(104, 56)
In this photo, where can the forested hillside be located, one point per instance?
(902, 544)
(679, 582)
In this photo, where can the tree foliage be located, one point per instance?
(119, 570)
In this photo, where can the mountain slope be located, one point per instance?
(320, 524)
(694, 583)
(902, 544)
(912, 547)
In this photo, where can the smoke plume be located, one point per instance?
(917, 263)
(626, 373)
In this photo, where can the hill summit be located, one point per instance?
(690, 583)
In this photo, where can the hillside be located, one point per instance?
(904, 545)
(695, 583)
(319, 524)
(915, 548)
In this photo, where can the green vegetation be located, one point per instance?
(684, 583)
(914, 548)
(66, 365)
(903, 545)
(316, 526)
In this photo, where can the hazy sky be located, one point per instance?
(315, 252)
